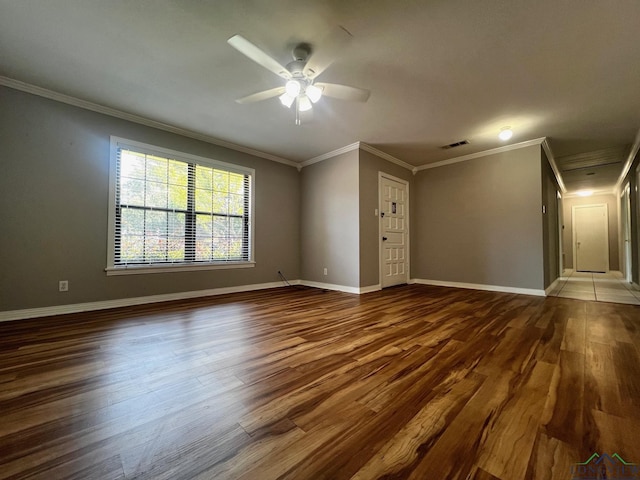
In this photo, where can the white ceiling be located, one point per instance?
(439, 71)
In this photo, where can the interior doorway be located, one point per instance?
(591, 238)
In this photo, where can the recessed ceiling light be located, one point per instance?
(505, 133)
(585, 193)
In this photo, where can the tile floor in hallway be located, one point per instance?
(601, 287)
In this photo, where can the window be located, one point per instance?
(170, 210)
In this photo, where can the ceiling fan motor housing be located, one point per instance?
(296, 68)
(301, 54)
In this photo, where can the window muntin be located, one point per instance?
(175, 209)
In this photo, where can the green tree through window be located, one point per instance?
(169, 211)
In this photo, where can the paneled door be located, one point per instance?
(591, 238)
(394, 230)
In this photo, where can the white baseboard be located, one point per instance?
(478, 286)
(340, 288)
(371, 288)
(126, 302)
(550, 288)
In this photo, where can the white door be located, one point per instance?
(394, 230)
(591, 238)
(625, 203)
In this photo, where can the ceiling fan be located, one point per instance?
(301, 88)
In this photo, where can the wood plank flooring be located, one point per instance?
(411, 382)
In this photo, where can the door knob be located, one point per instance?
(384, 238)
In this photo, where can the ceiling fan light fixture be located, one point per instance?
(314, 93)
(304, 103)
(292, 88)
(505, 133)
(286, 100)
(299, 76)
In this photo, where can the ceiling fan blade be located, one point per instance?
(264, 95)
(344, 92)
(329, 49)
(248, 49)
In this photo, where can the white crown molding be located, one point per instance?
(331, 154)
(477, 286)
(94, 107)
(355, 146)
(554, 166)
(385, 156)
(627, 165)
(127, 302)
(471, 156)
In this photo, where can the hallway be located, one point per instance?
(601, 287)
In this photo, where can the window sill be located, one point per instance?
(144, 269)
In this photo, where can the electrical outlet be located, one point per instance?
(63, 286)
(325, 270)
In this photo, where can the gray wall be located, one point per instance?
(567, 235)
(370, 165)
(550, 225)
(330, 221)
(479, 221)
(635, 222)
(474, 222)
(54, 161)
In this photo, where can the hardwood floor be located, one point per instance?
(411, 382)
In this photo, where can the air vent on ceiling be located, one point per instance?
(456, 144)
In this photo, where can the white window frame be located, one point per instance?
(112, 268)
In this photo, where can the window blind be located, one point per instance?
(177, 211)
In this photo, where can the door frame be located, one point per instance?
(560, 207)
(382, 175)
(573, 232)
